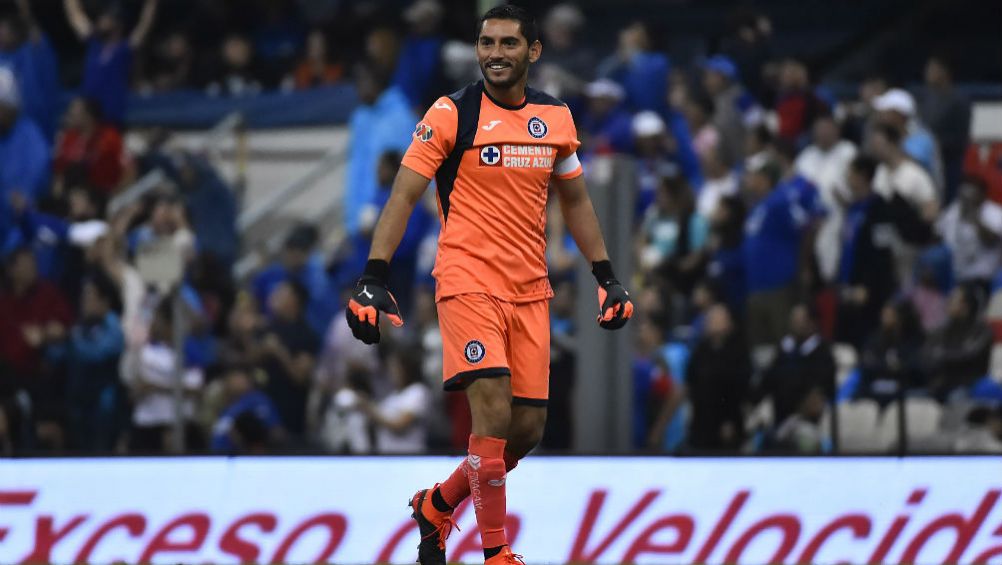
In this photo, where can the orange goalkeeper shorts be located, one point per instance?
(483, 336)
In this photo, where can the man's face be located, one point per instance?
(283, 302)
(504, 54)
(880, 146)
(294, 258)
(758, 184)
(718, 322)
(92, 303)
(24, 270)
(801, 325)
(935, 73)
(76, 115)
(81, 207)
(825, 133)
(971, 196)
(714, 82)
(108, 25)
(956, 307)
(859, 186)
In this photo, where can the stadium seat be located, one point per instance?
(857, 423)
(922, 420)
(846, 359)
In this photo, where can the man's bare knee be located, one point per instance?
(526, 430)
(490, 406)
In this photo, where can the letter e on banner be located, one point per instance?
(196, 522)
(247, 551)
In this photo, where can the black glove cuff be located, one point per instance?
(603, 271)
(377, 269)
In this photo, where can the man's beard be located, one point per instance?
(519, 71)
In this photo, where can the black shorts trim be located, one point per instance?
(522, 401)
(459, 381)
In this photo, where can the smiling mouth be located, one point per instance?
(498, 66)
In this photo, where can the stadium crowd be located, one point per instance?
(793, 250)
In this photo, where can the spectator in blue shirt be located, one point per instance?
(211, 206)
(726, 268)
(605, 126)
(24, 153)
(419, 64)
(772, 253)
(108, 62)
(90, 355)
(250, 421)
(642, 71)
(300, 261)
(29, 54)
(383, 121)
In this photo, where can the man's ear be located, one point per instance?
(535, 51)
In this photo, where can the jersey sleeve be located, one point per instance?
(433, 139)
(567, 165)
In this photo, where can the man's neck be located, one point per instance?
(511, 96)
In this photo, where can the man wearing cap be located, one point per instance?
(734, 108)
(897, 108)
(24, 154)
(607, 123)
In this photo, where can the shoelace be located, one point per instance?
(515, 558)
(444, 529)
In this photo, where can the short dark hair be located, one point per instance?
(106, 289)
(526, 23)
(763, 135)
(864, 165)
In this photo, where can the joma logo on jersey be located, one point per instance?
(423, 132)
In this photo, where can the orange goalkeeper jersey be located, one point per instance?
(492, 165)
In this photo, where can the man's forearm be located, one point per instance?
(581, 221)
(391, 226)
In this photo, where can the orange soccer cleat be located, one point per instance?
(434, 525)
(506, 557)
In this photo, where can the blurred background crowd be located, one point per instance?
(817, 245)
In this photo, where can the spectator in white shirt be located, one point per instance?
(972, 228)
(720, 182)
(150, 376)
(825, 163)
(401, 418)
(898, 174)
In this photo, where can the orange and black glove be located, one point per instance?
(615, 307)
(370, 297)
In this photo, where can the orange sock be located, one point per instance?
(486, 474)
(456, 488)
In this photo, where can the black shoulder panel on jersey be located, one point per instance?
(467, 103)
(533, 96)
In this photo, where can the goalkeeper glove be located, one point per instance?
(615, 307)
(370, 297)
